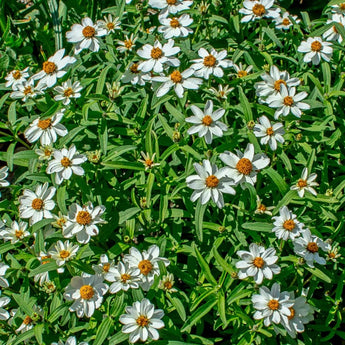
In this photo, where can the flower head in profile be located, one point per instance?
(141, 321)
(109, 24)
(167, 282)
(148, 161)
(241, 70)
(210, 183)
(15, 233)
(315, 49)
(67, 91)
(262, 208)
(255, 10)
(127, 44)
(16, 77)
(63, 252)
(222, 92)
(306, 183)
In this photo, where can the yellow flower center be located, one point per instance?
(209, 61)
(312, 247)
(48, 152)
(145, 267)
(61, 222)
(125, 277)
(241, 74)
(277, 84)
(134, 68)
(273, 304)
(168, 285)
(83, 218)
(44, 259)
(28, 90)
(171, 2)
(128, 44)
(16, 75)
(316, 46)
(207, 120)
(262, 208)
(331, 255)
(174, 23)
(211, 181)
(302, 183)
(148, 162)
(288, 101)
(110, 26)
(49, 67)
(244, 166)
(259, 10)
(37, 204)
(27, 320)
(286, 21)
(176, 77)
(106, 267)
(142, 320)
(86, 292)
(258, 262)
(44, 124)
(269, 131)
(289, 225)
(156, 53)
(19, 233)
(68, 92)
(342, 6)
(89, 32)
(292, 310)
(65, 162)
(64, 254)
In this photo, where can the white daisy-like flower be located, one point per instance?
(43, 277)
(3, 176)
(62, 252)
(286, 225)
(122, 277)
(3, 280)
(284, 22)
(141, 321)
(27, 90)
(134, 76)
(28, 322)
(210, 63)
(37, 205)
(47, 129)
(45, 152)
(4, 314)
(254, 10)
(241, 71)
(70, 341)
(257, 263)
(307, 246)
(272, 81)
(53, 68)
(167, 282)
(147, 262)
(210, 183)
(109, 24)
(301, 314)
(147, 160)
(244, 167)
(83, 221)
(15, 233)
(287, 101)
(339, 8)
(272, 305)
(315, 49)
(67, 91)
(269, 133)
(128, 44)
(179, 81)
(175, 27)
(222, 92)
(170, 6)
(261, 208)
(306, 183)
(206, 122)
(16, 77)
(104, 265)
(157, 55)
(65, 163)
(333, 34)
(85, 35)
(87, 293)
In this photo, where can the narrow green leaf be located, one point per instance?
(103, 331)
(199, 217)
(204, 266)
(124, 165)
(247, 111)
(262, 227)
(320, 274)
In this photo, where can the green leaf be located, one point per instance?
(319, 274)
(128, 214)
(204, 266)
(178, 305)
(49, 266)
(20, 339)
(199, 216)
(59, 311)
(118, 338)
(38, 330)
(23, 304)
(225, 265)
(61, 199)
(277, 179)
(179, 117)
(262, 227)
(270, 33)
(12, 114)
(124, 165)
(246, 109)
(103, 331)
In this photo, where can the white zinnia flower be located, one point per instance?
(45, 152)
(178, 80)
(257, 263)
(4, 314)
(148, 161)
(43, 277)
(15, 233)
(261, 208)
(37, 205)
(210, 63)
(258, 9)
(65, 163)
(122, 277)
(128, 44)
(53, 68)
(241, 71)
(167, 282)
(307, 246)
(3, 280)
(134, 76)
(272, 305)
(332, 34)
(70, 341)
(305, 183)
(83, 221)
(67, 91)
(206, 122)
(3, 176)
(157, 55)
(104, 266)
(142, 321)
(315, 49)
(87, 293)
(27, 90)
(109, 24)
(340, 8)
(47, 130)
(244, 167)
(85, 35)
(269, 133)
(16, 77)
(175, 27)
(170, 6)
(147, 262)
(287, 101)
(286, 226)
(222, 92)
(63, 252)
(284, 22)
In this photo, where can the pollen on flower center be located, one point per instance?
(142, 321)
(27, 90)
(277, 84)
(89, 31)
(106, 267)
(176, 77)
(316, 46)
(269, 131)
(86, 292)
(16, 75)
(174, 23)
(44, 259)
(125, 277)
(145, 267)
(211, 181)
(210, 60)
(273, 304)
(286, 21)
(168, 285)
(19, 233)
(44, 124)
(292, 311)
(64, 254)
(37, 204)
(27, 320)
(242, 74)
(342, 6)
(289, 225)
(83, 218)
(288, 101)
(156, 53)
(49, 67)
(258, 262)
(128, 44)
(134, 68)
(65, 162)
(110, 26)
(148, 162)
(207, 120)
(312, 247)
(262, 208)
(244, 166)
(302, 183)
(68, 92)
(259, 10)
